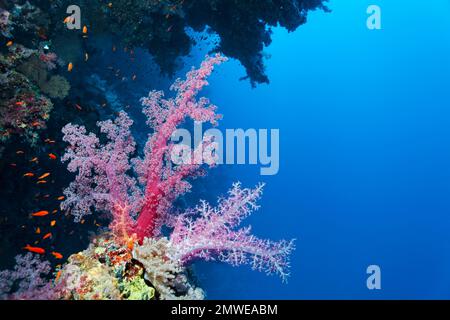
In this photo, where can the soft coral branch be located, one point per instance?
(213, 235)
(104, 182)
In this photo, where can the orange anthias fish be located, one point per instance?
(70, 67)
(48, 235)
(9, 43)
(60, 198)
(35, 159)
(58, 275)
(42, 213)
(34, 249)
(38, 230)
(52, 156)
(29, 174)
(53, 223)
(45, 175)
(85, 30)
(54, 211)
(68, 19)
(41, 182)
(19, 103)
(57, 255)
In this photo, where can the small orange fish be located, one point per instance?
(53, 223)
(68, 19)
(57, 255)
(48, 235)
(36, 124)
(19, 103)
(82, 221)
(85, 30)
(38, 230)
(34, 249)
(60, 198)
(54, 211)
(45, 175)
(42, 213)
(41, 182)
(52, 156)
(9, 43)
(35, 159)
(70, 67)
(58, 275)
(49, 141)
(29, 174)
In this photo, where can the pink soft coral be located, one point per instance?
(104, 182)
(210, 233)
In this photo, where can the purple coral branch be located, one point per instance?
(213, 235)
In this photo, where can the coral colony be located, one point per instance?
(134, 259)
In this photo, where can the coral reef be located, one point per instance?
(137, 189)
(161, 26)
(24, 106)
(27, 85)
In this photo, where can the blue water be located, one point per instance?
(364, 177)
